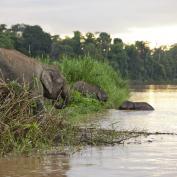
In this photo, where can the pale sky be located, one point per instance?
(150, 20)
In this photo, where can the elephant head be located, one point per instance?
(54, 86)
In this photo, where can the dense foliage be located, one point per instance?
(94, 72)
(22, 131)
(136, 61)
(97, 73)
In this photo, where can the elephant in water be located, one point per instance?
(138, 106)
(51, 84)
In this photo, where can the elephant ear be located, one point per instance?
(47, 80)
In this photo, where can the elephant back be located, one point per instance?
(17, 66)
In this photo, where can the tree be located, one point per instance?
(6, 41)
(134, 63)
(90, 46)
(3, 28)
(18, 28)
(104, 43)
(118, 57)
(77, 43)
(35, 41)
(90, 38)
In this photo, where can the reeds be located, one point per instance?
(20, 130)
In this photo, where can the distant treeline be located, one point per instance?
(136, 61)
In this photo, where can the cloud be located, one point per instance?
(113, 16)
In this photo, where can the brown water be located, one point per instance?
(163, 119)
(141, 157)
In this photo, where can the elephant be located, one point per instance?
(86, 88)
(51, 84)
(139, 106)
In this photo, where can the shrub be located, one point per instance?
(98, 73)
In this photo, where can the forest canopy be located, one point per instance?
(136, 62)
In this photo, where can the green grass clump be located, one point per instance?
(80, 107)
(94, 72)
(98, 73)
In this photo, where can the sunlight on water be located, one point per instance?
(142, 157)
(54, 166)
(136, 160)
(163, 119)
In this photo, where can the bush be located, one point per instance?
(98, 73)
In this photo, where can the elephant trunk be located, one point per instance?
(65, 96)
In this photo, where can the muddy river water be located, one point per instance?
(151, 156)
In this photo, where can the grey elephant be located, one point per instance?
(141, 106)
(86, 88)
(51, 83)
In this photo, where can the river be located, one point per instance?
(155, 155)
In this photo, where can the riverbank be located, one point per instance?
(22, 132)
(156, 147)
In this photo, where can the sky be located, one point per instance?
(149, 20)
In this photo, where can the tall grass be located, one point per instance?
(97, 73)
(20, 130)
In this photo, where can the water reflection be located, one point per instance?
(154, 88)
(53, 166)
(163, 119)
(141, 157)
(136, 160)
